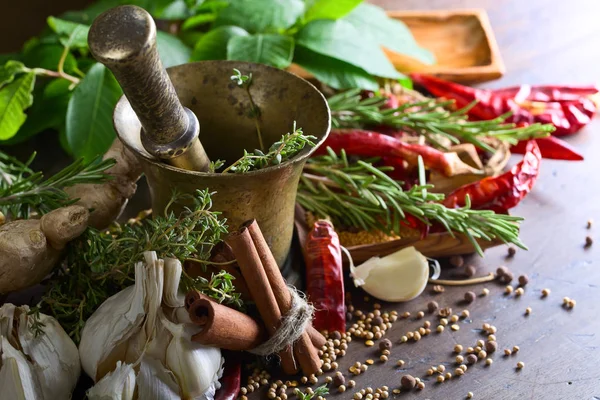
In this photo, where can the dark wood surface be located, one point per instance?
(541, 41)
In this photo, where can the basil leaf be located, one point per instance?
(213, 45)
(275, 50)
(261, 16)
(393, 34)
(333, 72)
(172, 51)
(15, 98)
(48, 111)
(90, 130)
(330, 9)
(72, 34)
(9, 70)
(340, 39)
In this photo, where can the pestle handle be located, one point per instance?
(124, 39)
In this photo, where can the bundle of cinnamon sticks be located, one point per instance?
(230, 329)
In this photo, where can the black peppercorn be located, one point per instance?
(432, 306)
(470, 297)
(385, 344)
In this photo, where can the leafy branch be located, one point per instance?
(428, 117)
(360, 195)
(23, 191)
(100, 264)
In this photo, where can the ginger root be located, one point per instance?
(30, 248)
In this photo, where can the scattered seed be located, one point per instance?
(511, 251)
(460, 359)
(485, 291)
(588, 241)
(492, 329)
(369, 343)
(417, 336)
(338, 379)
(406, 314)
(444, 322)
(477, 349)
(404, 339)
(420, 314)
(486, 327)
(508, 289)
(507, 352)
(358, 396)
(440, 328)
(430, 371)
(566, 300)
(545, 292)
(489, 361)
(328, 379)
(507, 277)
(491, 338)
(590, 222)
(571, 303)
(470, 395)
(407, 382)
(470, 350)
(528, 311)
(491, 346)
(455, 327)
(519, 291)
(386, 352)
(426, 324)
(385, 344)
(377, 321)
(523, 280)
(341, 388)
(400, 363)
(454, 318)
(383, 358)
(465, 314)
(420, 385)
(501, 271)
(396, 391)
(438, 289)
(481, 354)
(440, 378)
(445, 312)
(458, 348)
(441, 368)
(471, 359)
(520, 365)
(448, 375)
(459, 372)
(457, 261)
(422, 331)
(351, 383)
(432, 306)
(370, 362)
(515, 349)
(463, 367)
(470, 271)
(480, 343)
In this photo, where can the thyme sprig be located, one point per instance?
(429, 118)
(284, 149)
(245, 81)
(361, 195)
(24, 191)
(320, 391)
(100, 264)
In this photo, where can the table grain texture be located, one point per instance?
(541, 41)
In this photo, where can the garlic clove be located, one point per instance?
(197, 368)
(17, 375)
(155, 382)
(171, 296)
(116, 385)
(53, 356)
(400, 276)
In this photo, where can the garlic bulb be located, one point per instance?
(146, 328)
(116, 385)
(400, 276)
(45, 366)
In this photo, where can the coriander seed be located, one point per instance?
(421, 385)
(383, 358)
(426, 324)
(440, 378)
(400, 363)
(459, 372)
(515, 349)
(455, 327)
(465, 314)
(404, 339)
(528, 311)
(458, 348)
(406, 314)
(491, 338)
(489, 362)
(520, 365)
(508, 289)
(430, 372)
(460, 359)
(443, 322)
(470, 395)
(341, 388)
(454, 318)
(485, 291)
(448, 375)
(507, 352)
(519, 291)
(480, 343)
(463, 367)
(351, 383)
(545, 292)
(328, 379)
(440, 328)
(571, 303)
(481, 355)
(420, 314)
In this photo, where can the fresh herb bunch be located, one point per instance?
(23, 191)
(282, 150)
(100, 264)
(320, 391)
(358, 194)
(428, 117)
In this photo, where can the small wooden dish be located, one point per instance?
(462, 41)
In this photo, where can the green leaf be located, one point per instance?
(198, 20)
(9, 70)
(275, 50)
(330, 9)
(333, 72)
(89, 114)
(340, 39)
(47, 56)
(259, 16)
(48, 111)
(393, 34)
(72, 34)
(171, 10)
(15, 98)
(172, 51)
(213, 45)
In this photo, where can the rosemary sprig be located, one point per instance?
(284, 149)
(23, 191)
(428, 117)
(100, 264)
(361, 195)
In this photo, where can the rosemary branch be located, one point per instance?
(363, 196)
(23, 191)
(429, 118)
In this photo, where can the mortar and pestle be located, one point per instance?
(174, 120)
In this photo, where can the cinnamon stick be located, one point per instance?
(304, 350)
(224, 327)
(258, 283)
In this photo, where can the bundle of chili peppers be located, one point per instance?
(325, 277)
(568, 108)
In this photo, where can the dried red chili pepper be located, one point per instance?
(504, 191)
(232, 378)
(325, 277)
(550, 147)
(372, 144)
(568, 108)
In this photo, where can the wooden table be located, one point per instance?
(542, 41)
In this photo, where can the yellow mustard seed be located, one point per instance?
(448, 376)
(440, 378)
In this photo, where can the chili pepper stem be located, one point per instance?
(465, 282)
